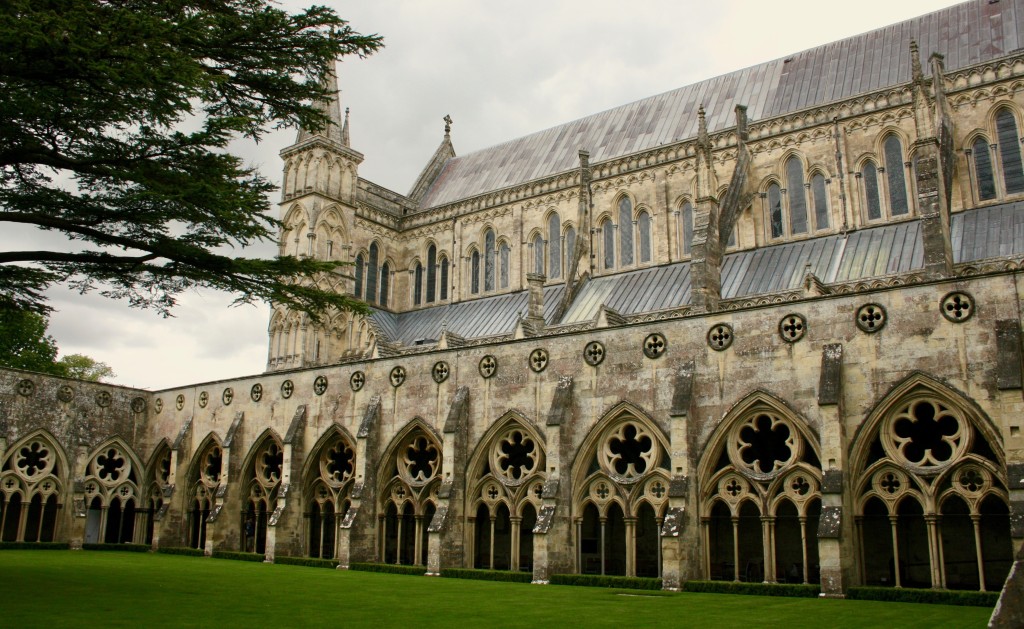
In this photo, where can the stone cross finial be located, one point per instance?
(447, 124)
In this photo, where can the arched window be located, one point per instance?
(371, 274)
(608, 243)
(417, 285)
(775, 210)
(894, 172)
(359, 277)
(797, 196)
(489, 260)
(385, 277)
(820, 196)
(538, 255)
(444, 278)
(625, 232)
(408, 482)
(474, 272)
(983, 170)
(643, 225)
(871, 200)
(1009, 151)
(570, 248)
(686, 218)
(554, 246)
(431, 273)
(505, 255)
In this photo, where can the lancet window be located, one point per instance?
(111, 496)
(411, 477)
(761, 498)
(932, 503)
(30, 491)
(329, 483)
(261, 483)
(506, 486)
(204, 479)
(621, 496)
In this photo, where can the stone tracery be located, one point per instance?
(30, 490)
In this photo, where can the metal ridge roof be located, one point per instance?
(967, 34)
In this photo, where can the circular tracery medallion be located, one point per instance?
(418, 460)
(925, 435)
(764, 445)
(515, 456)
(628, 451)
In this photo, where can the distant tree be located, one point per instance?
(115, 121)
(24, 343)
(83, 367)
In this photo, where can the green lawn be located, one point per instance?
(89, 588)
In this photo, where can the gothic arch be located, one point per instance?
(759, 481)
(620, 493)
(33, 476)
(928, 473)
(113, 480)
(205, 474)
(327, 478)
(261, 479)
(408, 480)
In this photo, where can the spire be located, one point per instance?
(331, 107)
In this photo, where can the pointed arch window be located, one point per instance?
(872, 202)
(643, 225)
(474, 272)
(504, 258)
(371, 273)
(431, 273)
(385, 280)
(608, 240)
(1009, 151)
(896, 178)
(775, 211)
(538, 254)
(983, 170)
(359, 277)
(820, 196)
(554, 246)
(625, 232)
(686, 218)
(489, 260)
(570, 248)
(797, 196)
(444, 278)
(417, 285)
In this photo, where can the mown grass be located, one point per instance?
(83, 588)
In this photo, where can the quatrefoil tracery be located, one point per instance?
(488, 366)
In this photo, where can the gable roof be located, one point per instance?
(967, 34)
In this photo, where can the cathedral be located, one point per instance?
(765, 327)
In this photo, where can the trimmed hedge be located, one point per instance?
(917, 595)
(487, 575)
(755, 589)
(306, 561)
(128, 548)
(34, 546)
(596, 580)
(389, 568)
(236, 556)
(172, 550)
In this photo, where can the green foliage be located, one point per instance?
(82, 367)
(128, 548)
(756, 589)
(915, 595)
(33, 545)
(306, 561)
(236, 556)
(24, 343)
(487, 575)
(117, 119)
(388, 568)
(596, 580)
(175, 550)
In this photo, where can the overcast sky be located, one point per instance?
(501, 70)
